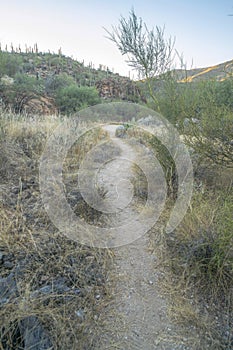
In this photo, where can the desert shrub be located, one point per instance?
(18, 94)
(162, 154)
(201, 250)
(177, 101)
(9, 64)
(168, 97)
(59, 81)
(224, 93)
(202, 111)
(72, 98)
(212, 137)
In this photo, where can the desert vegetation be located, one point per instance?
(53, 289)
(44, 82)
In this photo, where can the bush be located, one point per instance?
(18, 94)
(9, 64)
(59, 81)
(212, 137)
(203, 112)
(202, 247)
(224, 93)
(73, 98)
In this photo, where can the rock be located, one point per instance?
(189, 122)
(34, 335)
(45, 290)
(42, 105)
(8, 289)
(122, 88)
(146, 121)
(1, 257)
(195, 121)
(80, 314)
(186, 122)
(150, 120)
(6, 80)
(73, 197)
(120, 131)
(8, 264)
(58, 287)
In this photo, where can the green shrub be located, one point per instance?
(9, 64)
(224, 93)
(18, 94)
(73, 98)
(212, 137)
(55, 82)
(203, 112)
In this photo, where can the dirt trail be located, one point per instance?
(136, 318)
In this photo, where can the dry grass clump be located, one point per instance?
(161, 153)
(205, 238)
(59, 281)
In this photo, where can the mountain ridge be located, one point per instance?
(220, 72)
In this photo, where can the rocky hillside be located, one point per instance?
(51, 72)
(109, 84)
(45, 83)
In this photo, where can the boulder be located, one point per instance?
(120, 131)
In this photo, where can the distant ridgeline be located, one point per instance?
(219, 72)
(33, 81)
(222, 72)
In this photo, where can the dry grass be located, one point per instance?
(198, 271)
(59, 281)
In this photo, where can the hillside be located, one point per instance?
(45, 83)
(30, 81)
(219, 72)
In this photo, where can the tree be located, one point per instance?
(148, 52)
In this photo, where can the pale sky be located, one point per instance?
(202, 28)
